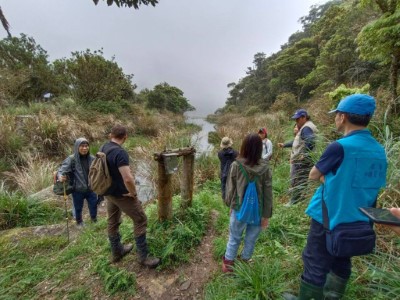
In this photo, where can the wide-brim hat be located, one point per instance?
(226, 142)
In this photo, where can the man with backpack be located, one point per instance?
(76, 167)
(122, 197)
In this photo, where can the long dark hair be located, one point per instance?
(251, 149)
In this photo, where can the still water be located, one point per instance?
(146, 189)
(200, 139)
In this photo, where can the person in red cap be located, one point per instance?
(267, 144)
(300, 158)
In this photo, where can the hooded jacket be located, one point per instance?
(226, 156)
(77, 167)
(237, 183)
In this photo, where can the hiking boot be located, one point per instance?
(80, 224)
(227, 265)
(149, 262)
(117, 249)
(307, 292)
(334, 287)
(143, 253)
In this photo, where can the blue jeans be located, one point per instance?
(317, 260)
(236, 229)
(78, 199)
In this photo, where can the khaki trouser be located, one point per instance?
(132, 208)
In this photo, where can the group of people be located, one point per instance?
(121, 196)
(301, 162)
(351, 172)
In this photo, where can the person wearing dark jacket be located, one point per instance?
(226, 156)
(77, 166)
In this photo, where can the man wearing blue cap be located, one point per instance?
(300, 159)
(351, 170)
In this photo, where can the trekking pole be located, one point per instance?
(66, 212)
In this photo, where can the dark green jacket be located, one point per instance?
(236, 185)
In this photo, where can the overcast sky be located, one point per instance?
(198, 46)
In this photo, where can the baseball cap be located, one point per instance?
(263, 130)
(299, 113)
(359, 104)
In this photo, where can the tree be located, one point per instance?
(129, 3)
(4, 22)
(25, 69)
(379, 41)
(166, 97)
(90, 77)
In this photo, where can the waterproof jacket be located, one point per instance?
(77, 167)
(237, 183)
(226, 157)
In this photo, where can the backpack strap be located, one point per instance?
(245, 174)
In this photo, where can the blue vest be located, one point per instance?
(356, 183)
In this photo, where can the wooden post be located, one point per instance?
(164, 180)
(164, 192)
(187, 180)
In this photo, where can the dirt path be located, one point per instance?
(186, 282)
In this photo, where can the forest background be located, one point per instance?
(344, 47)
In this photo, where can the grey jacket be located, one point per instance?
(236, 185)
(73, 167)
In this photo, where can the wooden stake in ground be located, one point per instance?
(166, 168)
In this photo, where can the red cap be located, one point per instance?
(263, 130)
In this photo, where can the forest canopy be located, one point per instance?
(342, 42)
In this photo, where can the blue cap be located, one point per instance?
(359, 104)
(300, 113)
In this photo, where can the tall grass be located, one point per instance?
(34, 175)
(18, 211)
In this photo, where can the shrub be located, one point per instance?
(285, 102)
